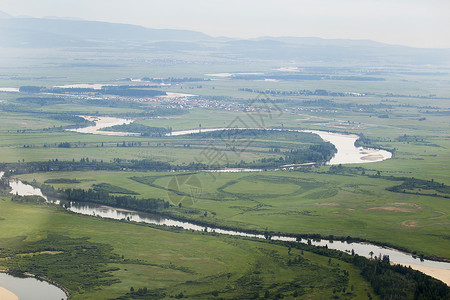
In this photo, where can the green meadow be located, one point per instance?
(105, 259)
(290, 202)
(165, 263)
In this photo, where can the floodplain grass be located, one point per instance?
(289, 202)
(426, 160)
(168, 261)
(293, 202)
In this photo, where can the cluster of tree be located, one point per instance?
(306, 77)
(122, 90)
(365, 141)
(64, 145)
(140, 128)
(104, 197)
(42, 100)
(317, 153)
(171, 80)
(409, 138)
(67, 117)
(357, 107)
(4, 184)
(155, 112)
(398, 282)
(145, 293)
(388, 281)
(130, 92)
(234, 134)
(340, 169)
(73, 256)
(112, 189)
(238, 139)
(101, 194)
(314, 153)
(318, 92)
(28, 199)
(85, 164)
(62, 180)
(31, 89)
(415, 186)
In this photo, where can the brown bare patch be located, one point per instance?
(406, 204)
(372, 157)
(41, 252)
(350, 209)
(410, 223)
(50, 252)
(393, 209)
(441, 214)
(326, 203)
(415, 223)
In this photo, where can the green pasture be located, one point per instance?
(166, 262)
(290, 202)
(286, 201)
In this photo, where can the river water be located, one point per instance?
(347, 152)
(104, 122)
(30, 288)
(362, 249)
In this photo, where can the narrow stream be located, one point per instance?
(362, 249)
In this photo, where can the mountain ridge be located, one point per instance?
(24, 32)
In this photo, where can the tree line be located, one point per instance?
(102, 196)
(388, 281)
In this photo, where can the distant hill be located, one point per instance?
(4, 15)
(63, 32)
(334, 50)
(59, 33)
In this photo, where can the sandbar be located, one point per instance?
(7, 295)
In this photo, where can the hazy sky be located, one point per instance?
(420, 23)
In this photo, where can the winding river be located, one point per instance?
(346, 153)
(439, 270)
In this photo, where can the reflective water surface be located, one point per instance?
(31, 288)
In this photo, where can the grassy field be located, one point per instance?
(289, 202)
(292, 202)
(166, 262)
(399, 113)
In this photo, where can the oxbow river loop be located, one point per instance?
(347, 152)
